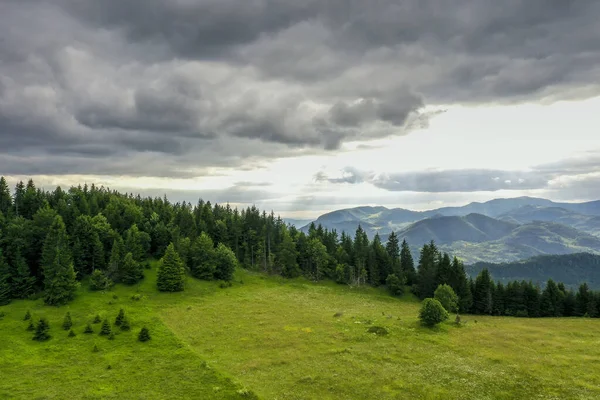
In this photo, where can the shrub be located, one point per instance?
(225, 284)
(111, 336)
(88, 329)
(27, 316)
(67, 322)
(105, 330)
(144, 335)
(446, 296)
(395, 285)
(95, 349)
(71, 333)
(97, 319)
(99, 280)
(378, 330)
(30, 327)
(432, 312)
(41, 330)
(120, 317)
(136, 297)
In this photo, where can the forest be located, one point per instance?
(52, 240)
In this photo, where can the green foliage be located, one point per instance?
(120, 317)
(131, 271)
(203, 258)
(287, 256)
(447, 298)
(125, 326)
(99, 280)
(378, 330)
(5, 288)
(394, 285)
(88, 329)
(67, 322)
(171, 273)
(71, 333)
(225, 261)
(88, 250)
(95, 349)
(30, 326)
(427, 274)
(97, 319)
(41, 330)
(144, 335)
(27, 316)
(117, 255)
(59, 276)
(407, 264)
(432, 312)
(483, 294)
(105, 330)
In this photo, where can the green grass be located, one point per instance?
(280, 339)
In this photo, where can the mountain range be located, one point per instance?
(500, 230)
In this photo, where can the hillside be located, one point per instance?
(275, 338)
(571, 269)
(529, 213)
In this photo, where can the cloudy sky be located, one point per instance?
(304, 106)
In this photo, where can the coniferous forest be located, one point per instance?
(51, 240)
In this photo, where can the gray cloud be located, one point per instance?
(105, 87)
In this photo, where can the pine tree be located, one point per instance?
(117, 255)
(97, 319)
(134, 243)
(552, 300)
(392, 247)
(287, 256)
(144, 335)
(120, 317)
(31, 326)
(41, 330)
(170, 272)
(444, 271)
(226, 263)
(582, 298)
(88, 329)
(483, 295)
(460, 284)
(71, 333)
(67, 322)
(88, 251)
(131, 271)
(105, 330)
(407, 264)
(99, 280)
(427, 273)
(60, 282)
(27, 316)
(22, 283)
(5, 198)
(125, 326)
(5, 288)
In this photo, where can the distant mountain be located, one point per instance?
(499, 230)
(571, 269)
(298, 223)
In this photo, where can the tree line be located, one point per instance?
(51, 240)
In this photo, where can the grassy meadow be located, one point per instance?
(282, 339)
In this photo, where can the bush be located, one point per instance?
(144, 335)
(41, 330)
(88, 329)
(97, 319)
(378, 330)
(71, 333)
(136, 297)
(395, 285)
(120, 317)
(67, 322)
(432, 312)
(225, 284)
(446, 296)
(30, 327)
(27, 316)
(99, 281)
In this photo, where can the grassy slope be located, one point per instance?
(280, 339)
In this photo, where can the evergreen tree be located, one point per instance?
(5, 198)
(552, 300)
(582, 298)
(171, 273)
(31, 326)
(117, 255)
(88, 251)
(447, 298)
(392, 247)
(5, 288)
(460, 284)
(444, 271)
(131, 271)
(427, 274)
(498, 299)
(432, 312)
(125, 326)
(135, 242)
(531, 296)
(383, 264)
(226, 263)
(287, 256)
(483, 295)
(41, 330)
(60, 283)
(99, 280)
(202, 258)
(407, 264)
(27, 316)
(395, 285)
(19, 195)
(144, 335)
(88, 329)
(22, 283)
(361, 254)
(67, 322)
(120, 317)
(105, 329)
(71, 333)
(97, 319)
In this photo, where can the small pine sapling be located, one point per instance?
(88, 329)
(41, 330)
(71, 333)
(105, 330)
(125, 326)
(120, 317)
(67, 322)
(27, 316)
(144, 335)
(30, 327)
(97, 319)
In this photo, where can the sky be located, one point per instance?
(303, 107)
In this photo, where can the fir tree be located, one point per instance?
(125, 326)
(483, 295)
(120, 317)
(41, 330)
(67, 322)
(287, 256)
(22, 283)
(27, 316)
(5, 198)
(460, 284)
(59, 276)
(407, 264)
(88, 251)
(71, 333)
(5, 288)
(117, 256)
(111, 336)
(97, 319)
(31, 326)
(105, 330)
(144, 335)
(99, 280)
(88, 329)
(392, 247)
(170, 272)
(95, 349)
(427, 274)
(226, 263)
(131, 270)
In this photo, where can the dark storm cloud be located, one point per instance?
(105, 86)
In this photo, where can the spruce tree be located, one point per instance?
(202, 258)
(427, 273)
(460, 284)
(131, 271)
(125, 326)
(117, 255)
(88, 251)
(407, 264)
(5, 288)
(97, 319)
(99, 280)
(552, 300)
(392, 247)
(22, 283)
(226, 263)
(144, 335)
(105, 330)
(41, 330)
(5, 198)
(60, 281)
(27, 316)
(287, 256)
(170, 272)
(120, 317)
(31, 326)
(67, 322)
(71, 333)
(483, 295)
(88, 329)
